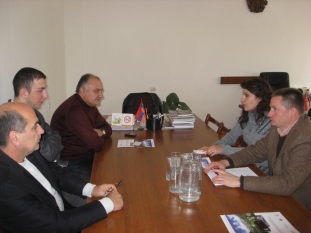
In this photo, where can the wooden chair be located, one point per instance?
(240, 142)
(221, 130)
(224, 130)
(209, 118)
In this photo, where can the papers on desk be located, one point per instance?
(272, 222)
(179, 121)
(133, 143)
(241, 171)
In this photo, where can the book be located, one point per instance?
(181, 122)
(240, 171)
(272, 222)
(176, 120)
(183, 126)
(180, 113)
(122, 127)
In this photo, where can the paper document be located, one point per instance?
(241, 171)
(132, 143)
(272, 222)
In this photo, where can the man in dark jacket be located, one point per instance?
(30, 186)
(30, 88)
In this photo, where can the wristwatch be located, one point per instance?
(104, 132)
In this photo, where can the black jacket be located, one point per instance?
(26, 206)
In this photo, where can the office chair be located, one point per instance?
(151, 102)
(277, 80)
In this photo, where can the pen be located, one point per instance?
(150, 114)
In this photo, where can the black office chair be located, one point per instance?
(277, 80)
(151, 102)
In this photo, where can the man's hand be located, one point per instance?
(226, 179)
(99, 132)
(117, 200)
(221, 165)
(102, 190)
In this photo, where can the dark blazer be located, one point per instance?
(26, 206)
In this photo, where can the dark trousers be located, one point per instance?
(83, 168)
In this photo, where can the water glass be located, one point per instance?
(168, 168)
(174, 174)
(168, 164)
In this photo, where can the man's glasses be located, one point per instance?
(111, 189)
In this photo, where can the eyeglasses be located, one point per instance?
(111, 189)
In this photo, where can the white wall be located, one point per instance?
(32, 35)
(178, 46)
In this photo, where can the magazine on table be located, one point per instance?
(133, 143)
(270, 222)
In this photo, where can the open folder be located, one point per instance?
(241, 171)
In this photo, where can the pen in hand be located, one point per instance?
(111, 189)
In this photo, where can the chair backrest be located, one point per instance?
(240, 142)
(221, 130)
(151, 101)
(224, 131)
(277, 80)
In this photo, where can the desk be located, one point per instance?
(150, 207)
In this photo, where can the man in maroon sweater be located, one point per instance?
(81, 126)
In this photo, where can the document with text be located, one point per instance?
(240, 171)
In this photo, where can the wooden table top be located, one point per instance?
(150, 207)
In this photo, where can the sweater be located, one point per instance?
(252, 132)
(75, 121)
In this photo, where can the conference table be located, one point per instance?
(150, 207)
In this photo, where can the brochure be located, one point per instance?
(133, 143)
(272, 222)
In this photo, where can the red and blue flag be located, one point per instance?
(141, 114)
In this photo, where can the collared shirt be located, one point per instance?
(33, 170)
(284, 132)
(87, 190)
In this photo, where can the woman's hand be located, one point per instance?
(214, 150)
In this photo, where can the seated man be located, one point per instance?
(30, 88)
(30, 187)
(287, 147)
(81, 126)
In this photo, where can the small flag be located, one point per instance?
(140, 114)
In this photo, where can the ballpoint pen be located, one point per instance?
(111, 189)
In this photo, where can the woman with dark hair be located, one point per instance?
(253, 124)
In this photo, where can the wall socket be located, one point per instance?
(153, 88)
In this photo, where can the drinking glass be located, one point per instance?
(174, 173)
(168, 164)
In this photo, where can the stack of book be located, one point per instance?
(181, 119)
